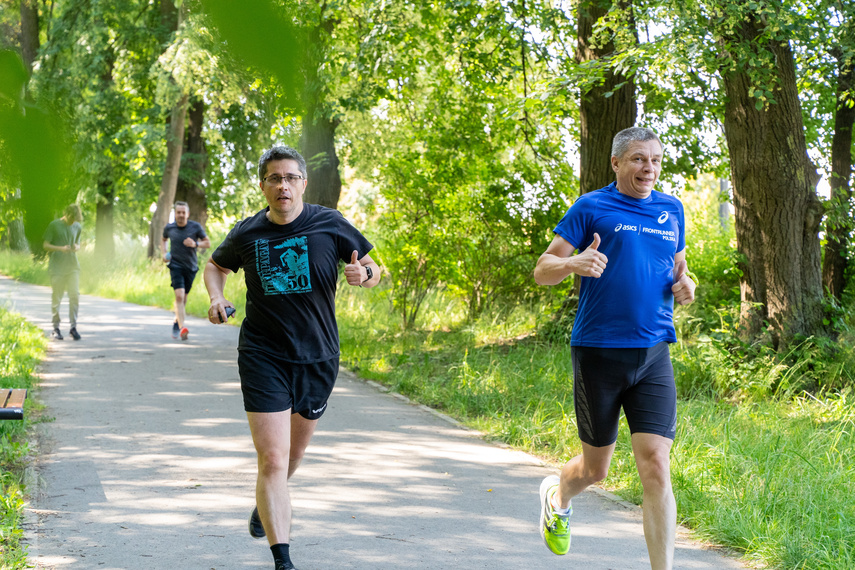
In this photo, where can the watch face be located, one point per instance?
(369, 271)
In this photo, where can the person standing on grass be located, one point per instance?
(62, 240)
(632, 261)
(185, 237)
(288, 350)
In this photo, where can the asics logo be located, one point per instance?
(663, 218)
(321, 409)
(627, 227)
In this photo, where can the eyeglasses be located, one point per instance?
(276, 180)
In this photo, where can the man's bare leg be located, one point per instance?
(652, 457)
(582, 471)
(180, 307)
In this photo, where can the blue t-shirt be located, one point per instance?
(630, 305)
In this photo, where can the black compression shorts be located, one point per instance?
(641, 380)
(270, 384)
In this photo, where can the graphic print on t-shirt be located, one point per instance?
(289, 270)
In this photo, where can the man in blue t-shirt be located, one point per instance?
(632, 260)
(185, 237)
(288, 350)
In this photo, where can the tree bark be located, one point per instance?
(318, 144)
(774, 191)
(105, 246)
(174, 146)
(29, 32)
(601, 117)
(839, 223)
(170, 18)
(29, 49)
(194, 163)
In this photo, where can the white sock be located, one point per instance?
(557, 509)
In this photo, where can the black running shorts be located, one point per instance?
(641, 380)
(270, 384)
(182, 278)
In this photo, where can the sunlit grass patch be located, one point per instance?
(22, 347)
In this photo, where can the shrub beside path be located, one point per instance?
(149, 465)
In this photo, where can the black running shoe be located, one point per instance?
(56, 334)
(176, 330)
(74, 334)
(285, 566)
(256, 529)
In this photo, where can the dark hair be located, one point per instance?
(280, 152)
(622, 140)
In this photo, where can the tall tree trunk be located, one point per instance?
(105, 246)
(174, 146)
(29, 49)
(601, 117)
(839, 223)
(29, 32)
(170, 18)
(318, 137)
(194, 163)
(774, 191)
(318, 144)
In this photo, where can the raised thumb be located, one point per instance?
(354, 259)
(680, 269)
(596, 243)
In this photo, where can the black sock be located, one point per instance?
(280, 553)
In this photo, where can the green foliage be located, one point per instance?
(774, 479)
(22, 347)
(469, 183)
(734, 461)
(28, 133)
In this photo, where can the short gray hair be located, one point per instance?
(280, 152)
(622, 140)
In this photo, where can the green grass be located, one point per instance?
(770, 477)
(22, 346)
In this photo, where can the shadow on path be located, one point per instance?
(149, 465)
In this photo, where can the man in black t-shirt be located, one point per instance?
(185, 237)
(289, 348)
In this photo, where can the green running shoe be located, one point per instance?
(554, 529)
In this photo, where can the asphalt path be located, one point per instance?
(149, 465)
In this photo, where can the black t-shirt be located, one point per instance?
(291, 273)
(183, 256)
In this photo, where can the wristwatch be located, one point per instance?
(369, 272)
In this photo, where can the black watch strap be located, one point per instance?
(369, 272)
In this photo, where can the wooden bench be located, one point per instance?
(12, 403)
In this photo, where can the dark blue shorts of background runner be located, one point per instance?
(270, 384)
(641, 380)
(182, 278)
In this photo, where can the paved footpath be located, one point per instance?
(149, 465)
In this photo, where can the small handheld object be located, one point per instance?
(229, 312)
